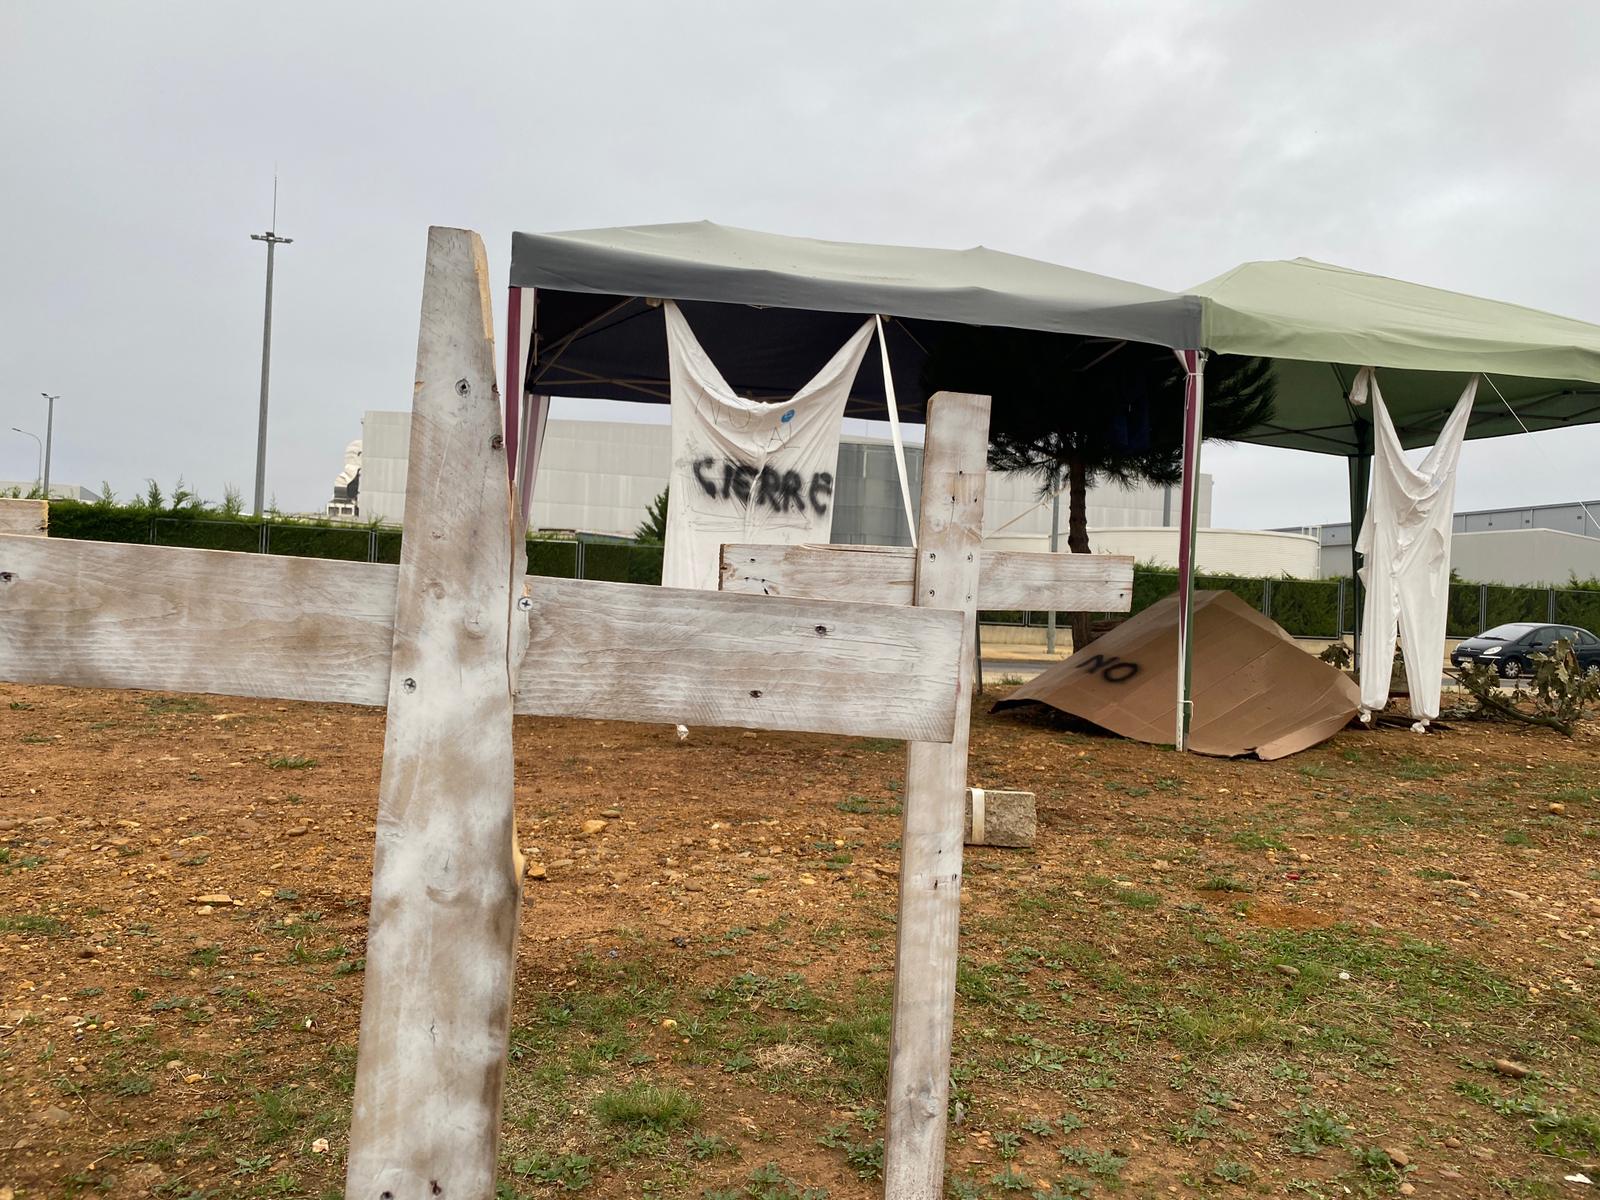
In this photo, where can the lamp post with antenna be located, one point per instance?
(40, 473)
(273, 241)
(49, 432)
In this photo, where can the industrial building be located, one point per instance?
(1540, 545)
(599, 477)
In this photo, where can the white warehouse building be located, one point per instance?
(599, 477)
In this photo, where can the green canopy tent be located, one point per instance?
(1319, 324)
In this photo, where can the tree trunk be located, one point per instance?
(1078, 537)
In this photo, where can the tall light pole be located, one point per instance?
(49, 429)
(273, 241)
(39, 474)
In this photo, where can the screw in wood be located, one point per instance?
(462, 387)
(408, 685)
(496, 442)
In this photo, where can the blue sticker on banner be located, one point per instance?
(787, 417)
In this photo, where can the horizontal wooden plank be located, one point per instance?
(29, 518)
(1007, 579)
(108, 615)
(669, 654)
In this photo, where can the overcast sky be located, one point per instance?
(1451, 142)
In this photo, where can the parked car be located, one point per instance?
(1507, 647)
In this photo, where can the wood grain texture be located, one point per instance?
(950, 530)
(618, 651)
(109, 615)
(1007, 579)
(441, 941)
(26, 518)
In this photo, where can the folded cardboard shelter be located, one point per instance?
(1254, 689)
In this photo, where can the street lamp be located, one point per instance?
(49, 429)
(35, 437)
(273, 241)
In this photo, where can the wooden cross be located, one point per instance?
(455, 641)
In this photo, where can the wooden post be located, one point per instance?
(446, 880)
(950, 531)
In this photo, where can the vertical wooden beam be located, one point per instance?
(954, 467)
(446, 884)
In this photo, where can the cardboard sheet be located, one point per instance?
(1255, 689)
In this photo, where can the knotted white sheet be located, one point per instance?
(1406, 542)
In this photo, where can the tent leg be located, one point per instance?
(1194, 362)
(512, 387)
(1360, 472)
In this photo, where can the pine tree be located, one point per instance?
(1079, 412)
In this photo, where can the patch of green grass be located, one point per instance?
(646, 1106)
(571, 1172)
(279, 1112)
(1516, 837)
(1225, 883)
(1418, 768)
(1311, 1128)
(162, 705)
(1436, 875)
(32, 923)
(1564, 1134)
(290, 762)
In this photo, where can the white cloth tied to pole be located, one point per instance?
(1406, 543)
(745, 470)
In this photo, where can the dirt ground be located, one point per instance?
(1217, 978)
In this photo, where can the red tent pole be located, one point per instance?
(513, 383)
(1194, 364)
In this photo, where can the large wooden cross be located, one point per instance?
(454, 642)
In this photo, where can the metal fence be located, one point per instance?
(567, 558)
(1325, 608)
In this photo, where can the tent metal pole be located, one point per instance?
(1194, 363)
(512, 392)
(1360, 472)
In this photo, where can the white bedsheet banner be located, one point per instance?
(1406, 541)
(744, 470)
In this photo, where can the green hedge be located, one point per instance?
(1304, 607)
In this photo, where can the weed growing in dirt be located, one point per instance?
(1311, 1128)
(291, 762)
(32, 923)
(646, 1106)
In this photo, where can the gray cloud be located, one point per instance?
(1163, 142)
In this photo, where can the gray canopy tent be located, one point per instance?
(584, 320)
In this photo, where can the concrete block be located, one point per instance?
(999, 818)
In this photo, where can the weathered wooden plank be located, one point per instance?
(108, 615)
(950, 531)
(1007, 579)
(670, 654)
(27, 518)
(446, 878)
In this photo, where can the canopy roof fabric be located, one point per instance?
(771, 309)
(1322, 323)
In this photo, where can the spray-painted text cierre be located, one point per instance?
(1112, 670)
(777, 490)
